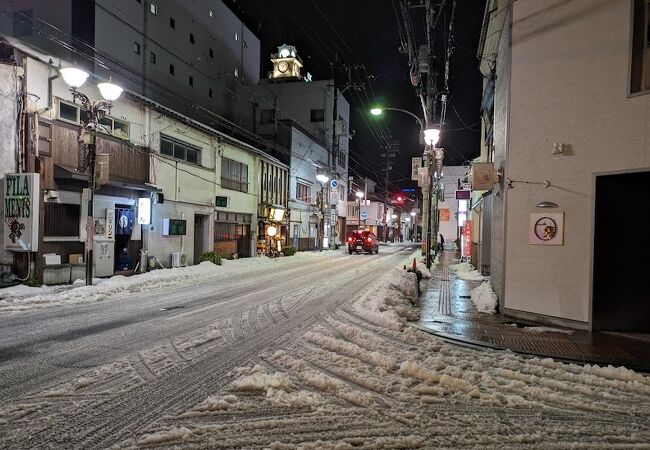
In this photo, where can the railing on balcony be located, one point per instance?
(235, 185)
(127, 162)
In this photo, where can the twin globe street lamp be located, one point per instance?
(75, 78)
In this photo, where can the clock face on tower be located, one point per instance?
(283, 66)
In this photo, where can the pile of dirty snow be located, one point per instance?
(484, 298)
(466, 271)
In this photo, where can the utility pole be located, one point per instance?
(333, 154)
(385, 216)
(365, 200)
(391, 150)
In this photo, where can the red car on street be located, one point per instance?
(363, 241)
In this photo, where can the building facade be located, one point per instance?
(201, 189)
(569, 130)
(200, 51)
(319, 109)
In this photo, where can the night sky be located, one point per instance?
(364, 35)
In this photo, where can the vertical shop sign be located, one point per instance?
(21, 206)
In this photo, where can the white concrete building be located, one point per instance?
(288, 96)
(570, 109)
(308, 158)
(193, 56)
(208, 190)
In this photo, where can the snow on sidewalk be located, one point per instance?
(484, 298)
(466, 271)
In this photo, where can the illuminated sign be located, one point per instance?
(144, 211)
(21, 206)
(463, 195)
(466, 240)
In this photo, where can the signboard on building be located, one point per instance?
(463, 195)
(467, 239)
(546, 229)
(416, 163)
(21, 211)
(423, 177)
(144, 211)
(444, 214)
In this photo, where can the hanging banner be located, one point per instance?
(467, 239)
(416, 163)
(21, 207)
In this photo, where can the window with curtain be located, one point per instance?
(303, 192)
(234, 175)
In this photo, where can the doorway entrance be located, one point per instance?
(621, 254)
(200, 222)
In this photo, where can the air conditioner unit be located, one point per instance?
(179, 259)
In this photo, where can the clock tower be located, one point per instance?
(286, 63)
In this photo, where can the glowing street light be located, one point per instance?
(431, 136)
(75, 78)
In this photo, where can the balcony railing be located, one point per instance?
(235, 185)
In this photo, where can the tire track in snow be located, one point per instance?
(132, 411)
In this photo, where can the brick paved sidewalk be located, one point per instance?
(447, 312)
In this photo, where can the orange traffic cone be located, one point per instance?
(414, 264)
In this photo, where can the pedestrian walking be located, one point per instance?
(442, 242)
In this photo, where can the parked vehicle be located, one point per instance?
(363, 241)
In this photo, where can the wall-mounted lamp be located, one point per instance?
(546, 204)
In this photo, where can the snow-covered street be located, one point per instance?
(305, 352)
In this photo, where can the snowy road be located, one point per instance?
(301, 353)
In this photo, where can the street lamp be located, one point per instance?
(75, 78)
(379, 110)
(322, 179)
(271, 230)
(431, 138)
(359, 195)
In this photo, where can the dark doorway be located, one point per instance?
(199, 237)
(621, 253)
(243, 240)
(126, 250)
